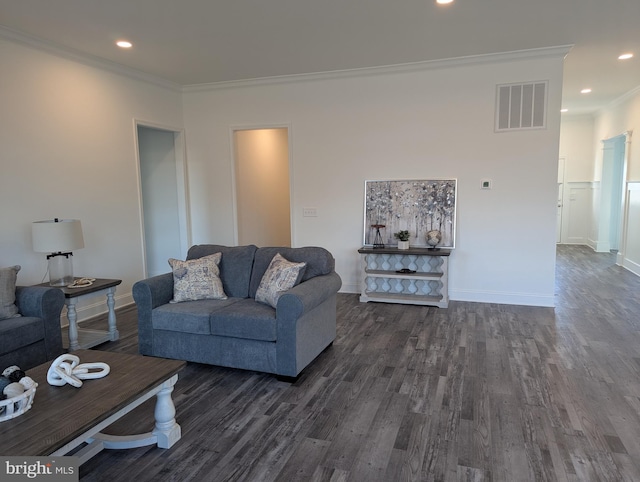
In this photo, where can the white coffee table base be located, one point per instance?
(166, 433)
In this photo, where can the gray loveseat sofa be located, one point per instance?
(240, 332)
(35, 336)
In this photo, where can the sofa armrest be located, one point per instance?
(307, 295)
(154, 291)
(149, 294)
(305, 322)
(45, 303)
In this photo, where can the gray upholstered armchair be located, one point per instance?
(34, 337)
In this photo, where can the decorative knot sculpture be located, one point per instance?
(68, 369)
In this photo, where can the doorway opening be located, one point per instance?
(262, 186)
(611, 202)
(163, 196)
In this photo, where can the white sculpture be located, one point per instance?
(68, 369)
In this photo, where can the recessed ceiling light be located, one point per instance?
(626, 56)
(444, 2)
(585, 91)
(124, 44)
(564, 110)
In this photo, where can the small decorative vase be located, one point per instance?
(433, 238)
(403, 244)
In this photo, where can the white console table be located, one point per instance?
(417, 276)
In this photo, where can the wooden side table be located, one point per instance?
(82, 337)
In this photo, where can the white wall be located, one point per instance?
(622, 116)
(67, 150)
(414, 124)
(577, 147)
(630, 257)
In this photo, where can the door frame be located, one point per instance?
(605, 199)
(234, 192)
(182, 185)
(561, 234)
(624, 218)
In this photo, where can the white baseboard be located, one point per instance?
(631, 266)
(602, 247)
(350, 288)
(503, 298)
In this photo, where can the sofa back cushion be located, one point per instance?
(235, 266)
(8, 276)
(319, 262)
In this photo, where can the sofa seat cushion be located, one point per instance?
(246, 319)
(16, 333)
(188, 316)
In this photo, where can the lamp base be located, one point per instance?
(60, 269)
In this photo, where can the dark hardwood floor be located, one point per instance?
(469, 393)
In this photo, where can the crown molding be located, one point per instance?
(83, 58)
(539, 53)
(104, 64)
(572, 116)
(621, 100)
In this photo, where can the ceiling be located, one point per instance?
(202, 41)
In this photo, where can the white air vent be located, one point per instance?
(521, 106)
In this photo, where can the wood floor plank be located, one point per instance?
(474, 392)
(375, 453)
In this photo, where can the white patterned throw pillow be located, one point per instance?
(197, 279)
(281, 275)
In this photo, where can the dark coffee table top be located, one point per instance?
(98, 284)
(60, 414)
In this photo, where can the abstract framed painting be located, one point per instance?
(423, 207)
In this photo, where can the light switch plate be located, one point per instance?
(309, 212)
(485, 184)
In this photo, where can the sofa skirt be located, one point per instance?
(225, 351)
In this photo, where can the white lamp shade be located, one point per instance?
(54, 236)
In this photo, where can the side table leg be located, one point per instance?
(73, 327)
(113, 332)
(167, 430)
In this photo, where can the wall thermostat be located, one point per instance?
(485, 184)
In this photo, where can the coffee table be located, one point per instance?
(64, 418)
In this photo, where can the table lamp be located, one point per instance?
(58, 237)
